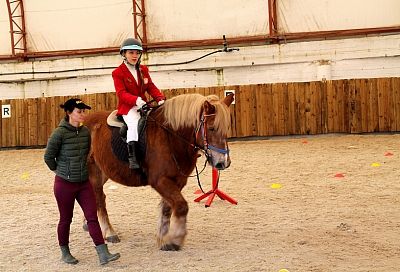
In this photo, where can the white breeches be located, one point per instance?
(132, 120)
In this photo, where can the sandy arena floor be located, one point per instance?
(313, 222)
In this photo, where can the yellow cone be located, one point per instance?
(276, 185)
(25, 176)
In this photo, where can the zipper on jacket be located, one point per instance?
(80, 156)
(68, 170)
(79, 142)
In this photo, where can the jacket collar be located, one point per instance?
(67, 125)
(128, 73)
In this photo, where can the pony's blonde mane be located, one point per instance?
(184, 111)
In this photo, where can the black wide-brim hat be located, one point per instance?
(73, 103)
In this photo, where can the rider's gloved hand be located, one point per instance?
(139, 102)
(161, 102)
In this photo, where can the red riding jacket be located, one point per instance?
(128, 90)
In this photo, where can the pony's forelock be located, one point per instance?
(184, 111)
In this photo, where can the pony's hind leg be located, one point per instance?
(164, 221)
(98, 179)
(173, 240)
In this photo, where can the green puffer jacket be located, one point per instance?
(67, 150)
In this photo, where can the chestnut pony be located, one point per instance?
(175, 133)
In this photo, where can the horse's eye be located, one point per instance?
(211, 129)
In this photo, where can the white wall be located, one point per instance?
(76, 24)
(176, 20)
(317, 15)
(294, 62)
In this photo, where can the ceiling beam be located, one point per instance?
(16, 18)
(139, 21)
(272, 19)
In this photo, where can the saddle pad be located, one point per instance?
(119, 146)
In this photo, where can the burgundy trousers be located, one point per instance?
(66, 192)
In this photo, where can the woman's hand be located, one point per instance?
(139, 102)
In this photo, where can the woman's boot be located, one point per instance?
(133, 164)
(66, 255)
(104, 255)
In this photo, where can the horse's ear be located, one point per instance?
(228, 99)
(208, 108)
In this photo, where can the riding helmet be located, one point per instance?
(132, 44)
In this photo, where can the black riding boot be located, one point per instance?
(133, 164)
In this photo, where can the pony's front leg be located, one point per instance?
(174, 209)
(108, 232)
(164, 220)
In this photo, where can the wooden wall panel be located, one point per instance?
(42, 118)
(349, 106)
(279, 100)
(354, 107)
(396, 103)
(6, 126)
(32, 125)
(253, 110)
(21, 122)
(331, 106)
(300, 117)
(244, 108)
(311, 109)
(342, 106)
(323, 106)
(373, 113)
(292, 109)
(263, 107)
(385, 104)
(316, 110)
(361, 88)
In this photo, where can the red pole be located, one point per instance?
(215, 178)
(215, 191)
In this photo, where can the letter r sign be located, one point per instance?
(5, 111)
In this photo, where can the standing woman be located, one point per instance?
(66, 155)
(131, 82)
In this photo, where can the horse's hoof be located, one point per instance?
(113, 239)
(85, 227)
(170, 247)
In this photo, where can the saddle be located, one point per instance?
(118, 138)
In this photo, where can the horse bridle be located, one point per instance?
(202, 128)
